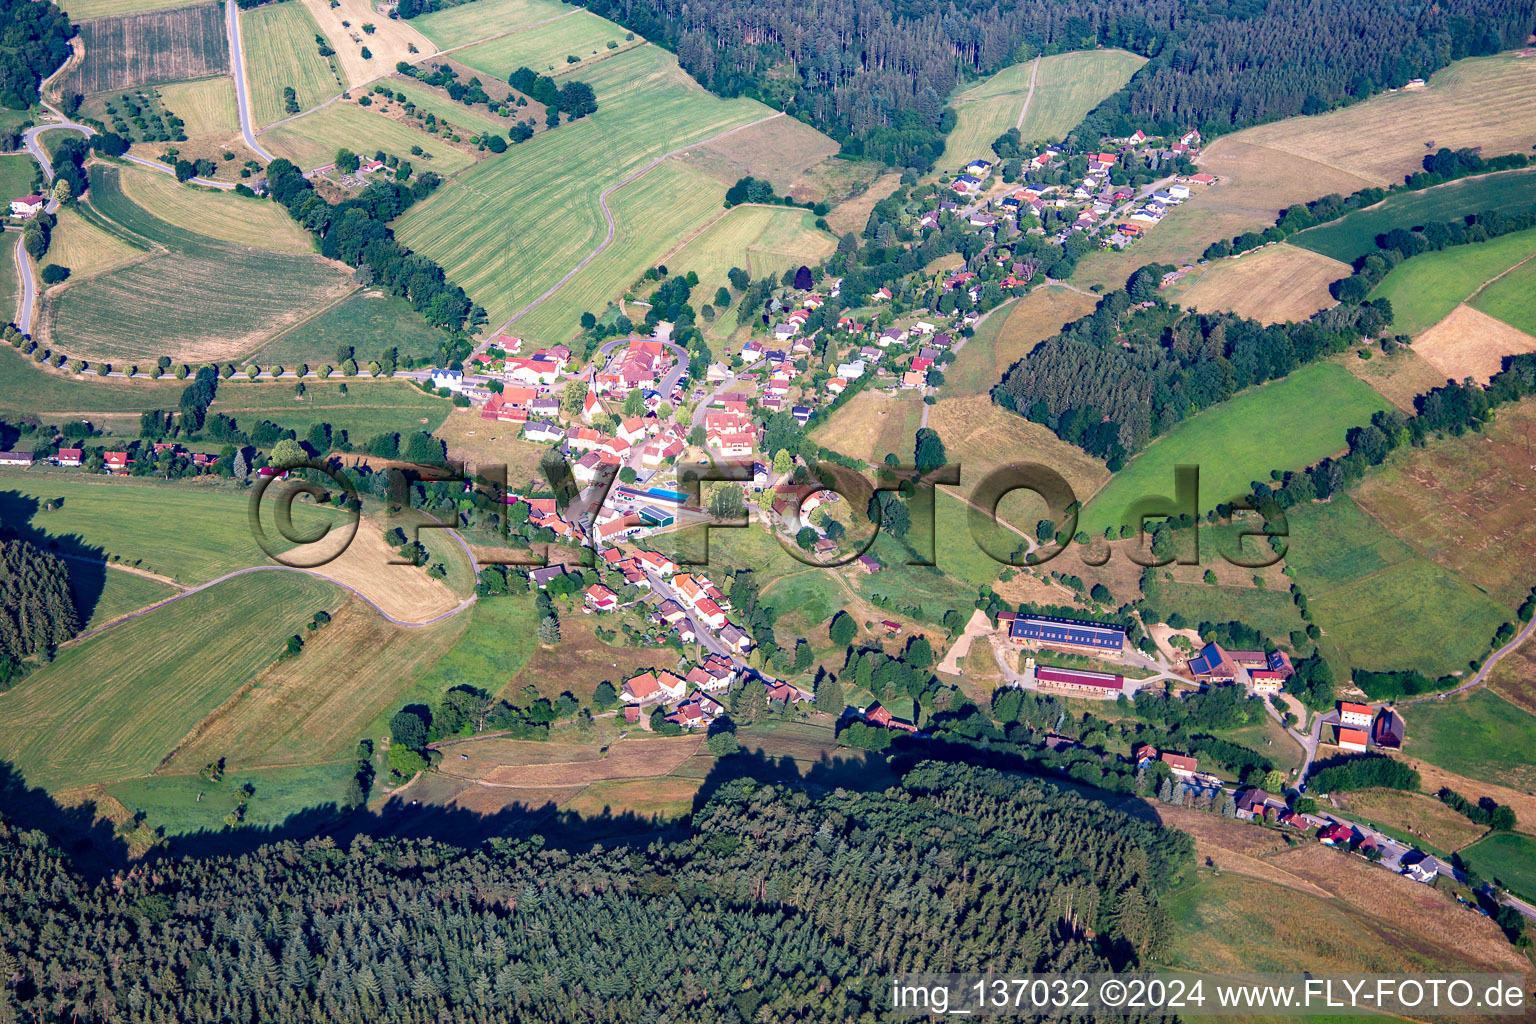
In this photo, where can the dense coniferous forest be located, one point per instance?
(1130, 370)
(775, 906)
(37, 612)
(874, 74)
(34, 41)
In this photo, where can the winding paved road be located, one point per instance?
(602, 201)
(28, 297)
(237, 69)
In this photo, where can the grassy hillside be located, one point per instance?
(1512, 298)
(455, 26)
(545, 47)
(1355, 234)
(281, 52)
(113, 706)
(1424, 289)
(312, 140)
(512, 226)
(1380, 605)
(1286, 424)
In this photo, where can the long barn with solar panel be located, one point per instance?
(1075, 635)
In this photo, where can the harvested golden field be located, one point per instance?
(1275, 284)
(661, 798)
(1254, 183)
(479, 442)
(1465, 501)
(1400, 377)
(1514, 677)
(315, 707)
(1470, 343)
(872, 424)
(84, 248)
(207, 105)
(780, 150)
(981, 436)
(581, 661)
(405, 592)
(1480, 102)
(853, 214)
(1422, 921)
(1417, 814)
(389, 43)
(632, 758)
(1433, 778)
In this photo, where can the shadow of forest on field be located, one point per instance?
(87, 562)
(96, 850)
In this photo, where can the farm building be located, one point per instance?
(1389, 730)
(16, 458)
(1068, 634)
(1352, 714)
(1352, 739)
(1080, 681)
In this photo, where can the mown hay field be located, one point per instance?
(195, 298)
(1512, 298)
(112, 706)
(221, 215)
(1355, 234)
(1418, 814)
(207, 105)
(872, 424)
(1272, 285)
(765, 241)
(1478, 102)
(84, 248)
(784, 151)
(662, 205)
(1400, 377)
(1067, 86)
(391, 41)
(1470, 343)
(148, 47)
(1425, 289)
(121, 592)
(455, 26)
(512, 226)
(1285, 424)
(368, 321)
(281, 52)
(1380, 605)
(545, 47)
(315, 707)
(312, 140)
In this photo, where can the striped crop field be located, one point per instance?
(207, 106)
(545, 47)
(455, 26)
(765, 241)
(150, 47)
(281, 52)
(512, 226)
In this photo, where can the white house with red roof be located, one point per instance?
(28, 206)
(600, 598)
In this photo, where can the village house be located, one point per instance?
(453, 380)
(539, 430)
(600, 598)
(542, 578)
(879, 716)
(70, 456)
(28, 206)
(16, 458)
(735, 639)
(653, 688)
(1181, 765)
(1356, 715)
(1354, 740)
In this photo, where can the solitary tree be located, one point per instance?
(288, 452)
(841, 629)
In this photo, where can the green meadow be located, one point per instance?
(1286, 424)
(1426, 288)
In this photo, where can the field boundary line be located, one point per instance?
(313, 316)
(1507, 270)
(467, 602)
(602, 202)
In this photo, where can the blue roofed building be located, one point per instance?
(1213, 663)
(1068, 634)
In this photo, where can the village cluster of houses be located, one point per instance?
(113, 462)
(1094, 201)
(693, 698)
(687, 598)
